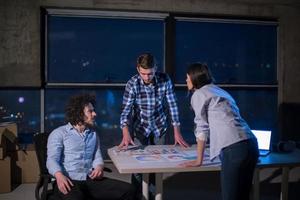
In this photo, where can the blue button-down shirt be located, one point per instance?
(72, 153)
(217, 115)
(149, 104)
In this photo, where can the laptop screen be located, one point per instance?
(263, 139)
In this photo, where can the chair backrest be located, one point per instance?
(41, 190)
(40, 143)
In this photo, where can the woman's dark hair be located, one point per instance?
(74, 108)
(199, 75)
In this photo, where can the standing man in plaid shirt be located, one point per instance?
(148, 98)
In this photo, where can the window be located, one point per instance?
(96, 51)
(95, 48)
(242, 56)
(237, 52)
(21, 106)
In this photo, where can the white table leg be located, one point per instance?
(256, 184)
(158, 186)
(284, 183)
(145, 186)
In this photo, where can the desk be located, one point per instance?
(285, 161)
(127, 163)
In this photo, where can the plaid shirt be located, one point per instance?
(149, 104)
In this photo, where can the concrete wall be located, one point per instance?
(20, 32)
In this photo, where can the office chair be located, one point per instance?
(42, 191)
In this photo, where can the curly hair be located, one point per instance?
(75, 106)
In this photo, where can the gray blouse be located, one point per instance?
(217, 116)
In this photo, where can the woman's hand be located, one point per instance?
(200, 155)
(192, 163)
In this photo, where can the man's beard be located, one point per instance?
(94, 127)
(91, 125)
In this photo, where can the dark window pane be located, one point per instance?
(100, 50)
(257, 107)
(108, 112)
(23, 108)
(236, 53)
(186, 115)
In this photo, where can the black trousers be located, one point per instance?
(103, 189)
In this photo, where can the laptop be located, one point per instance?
(264, 141)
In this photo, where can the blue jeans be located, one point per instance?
(238, 163)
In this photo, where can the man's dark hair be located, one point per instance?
(74, 108)
(199, 75)
(146, 61)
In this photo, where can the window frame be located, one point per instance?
(102, 14)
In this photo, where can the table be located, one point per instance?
(159, 162)
(285, 161)
(126, 163)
